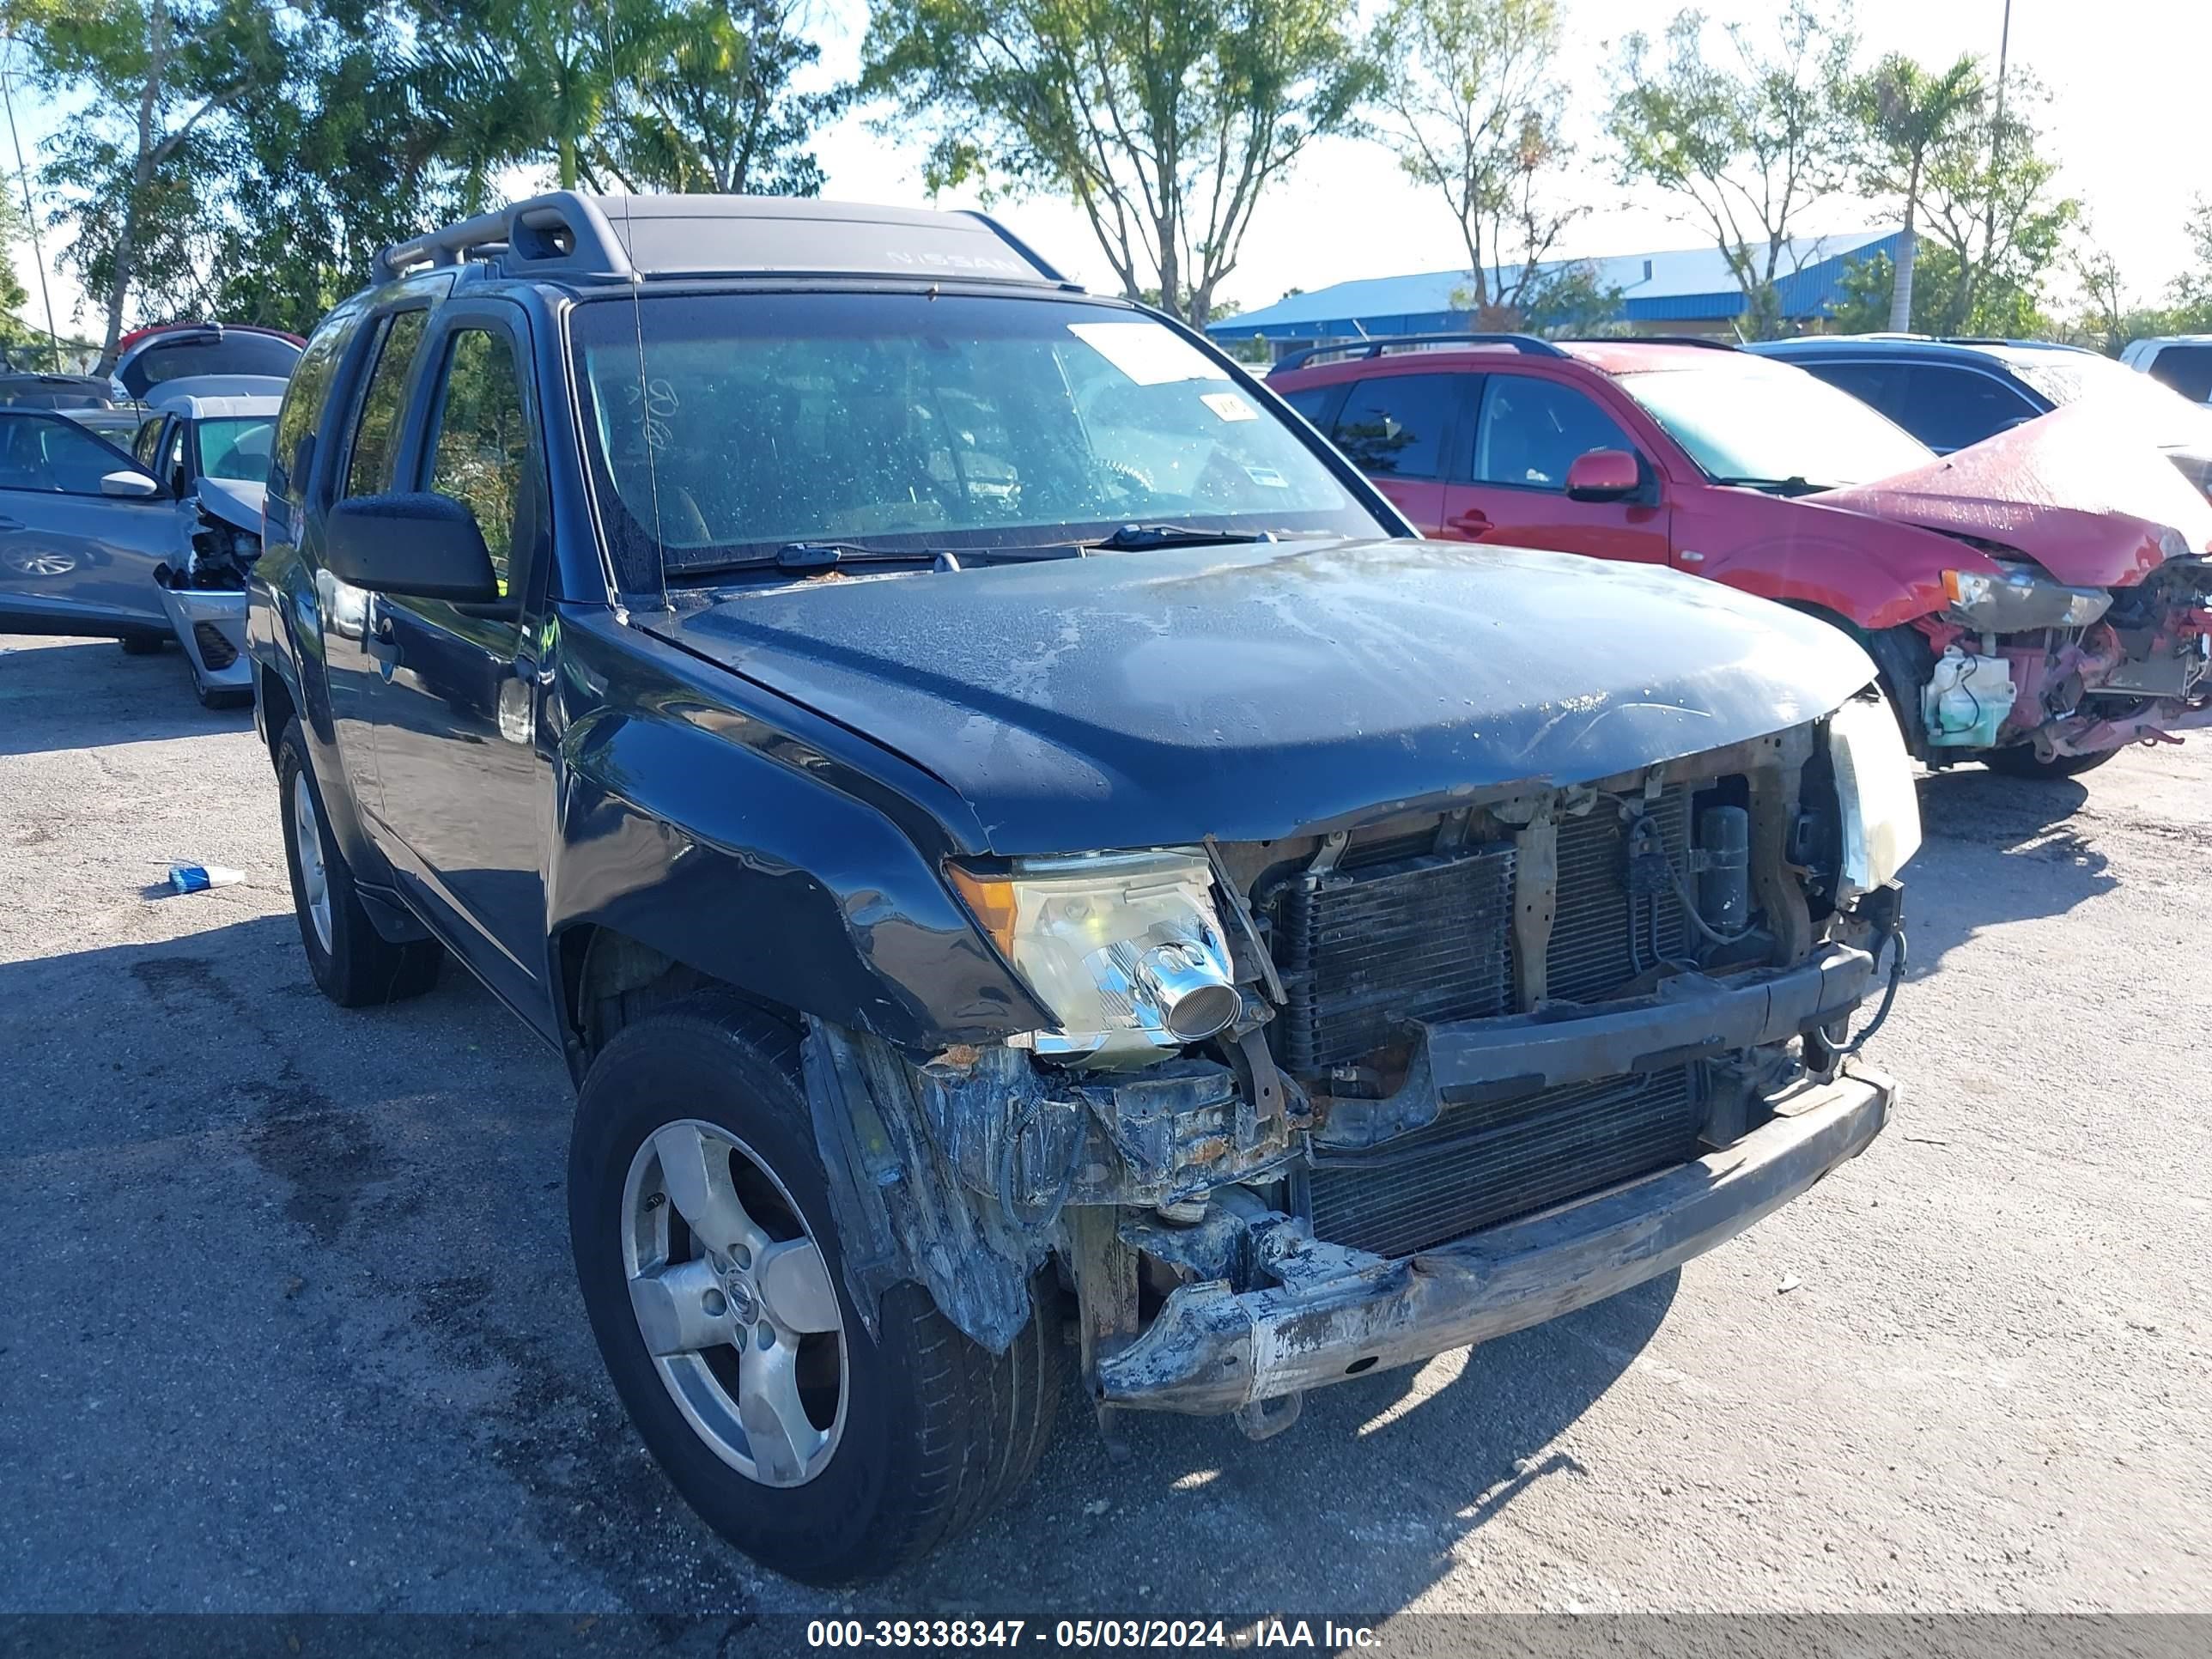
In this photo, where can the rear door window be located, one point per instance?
(1399, 426)
(2187, 369)
(310, 389)
(374, 452)
(1881, 384)
(1947, 409)
(1532, 430)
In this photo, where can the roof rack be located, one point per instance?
(619, 238)
(1704, 340)
(1526, 343)
(561, 232)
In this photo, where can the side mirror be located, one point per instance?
(1603, 475)
(134, 485)
(421, 545)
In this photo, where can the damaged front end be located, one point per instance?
(2021, 660)
(1343, 1101)
(205, 599)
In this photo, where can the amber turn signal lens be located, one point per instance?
(990, 900)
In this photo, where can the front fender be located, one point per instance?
(720, 845)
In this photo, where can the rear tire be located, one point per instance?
(2020, 761)
(353, 964)
(926, 1431)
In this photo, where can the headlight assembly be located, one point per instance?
(2017, 598)
(1125, 949)
(1875, 788)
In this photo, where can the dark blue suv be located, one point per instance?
(992, 807)
(1953, 393)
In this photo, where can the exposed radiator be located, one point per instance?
(1423, 937)
(1600, 938)
(1478, 1165)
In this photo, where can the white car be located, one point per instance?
(2183, 361)
(208, 442)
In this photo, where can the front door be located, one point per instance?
(466, 800)
(1529, 432)
(72, 556)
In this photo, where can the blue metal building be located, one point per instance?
(1688, 289)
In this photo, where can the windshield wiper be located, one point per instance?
(805, 558)
(1134, 538)
(1796, 484)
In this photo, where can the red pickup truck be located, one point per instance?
(2038, 601)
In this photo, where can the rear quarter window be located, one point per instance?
(308, 394)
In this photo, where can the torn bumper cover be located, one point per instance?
(1210, 1349)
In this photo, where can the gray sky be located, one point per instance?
(2128, 121)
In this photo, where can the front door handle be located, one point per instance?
(377, 640)
(1472, 522)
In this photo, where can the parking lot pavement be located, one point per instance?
(288, 1319)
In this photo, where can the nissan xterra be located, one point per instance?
(1022, 850)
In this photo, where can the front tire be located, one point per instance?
(709, 1259)
(353, 964)
(142, 645)
(2020, 761)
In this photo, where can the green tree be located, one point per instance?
(714, 108)
(1166, 120)
(2190, 293)
(358, 153)
(1746, 140)
(155, 77)
(1908, 113)
(538, 81)
(1467, 98)
(1994, 209)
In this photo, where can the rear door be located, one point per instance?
(72, 555)
(1528, 433)
(465, 797)
(1880, 385)
(1399, 427)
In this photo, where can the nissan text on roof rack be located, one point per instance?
(1011, 832)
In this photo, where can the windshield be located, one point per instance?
(2161, 415)
(237, 447)
(725, 426)
(1774, 423)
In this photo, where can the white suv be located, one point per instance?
(2183, 361)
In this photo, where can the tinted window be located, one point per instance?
(1532, 430)
(374, 452)
(170, 469)
(310, 389)
(1951, 407)
(482, 453)
(1881, 384)
(54, 456)
(2187, 369)
(236, 353)
(1396, 424)
(1310, 401)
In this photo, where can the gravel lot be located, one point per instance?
(289, 1324)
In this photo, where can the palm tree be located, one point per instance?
(1907, 113)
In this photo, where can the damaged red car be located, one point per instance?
(2037, 602)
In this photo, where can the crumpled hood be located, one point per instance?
(2092, 505)
(1252, 692)
(234, 502)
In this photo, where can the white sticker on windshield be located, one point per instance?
(1147, 353)
(1268, 477)
(1228, 406)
